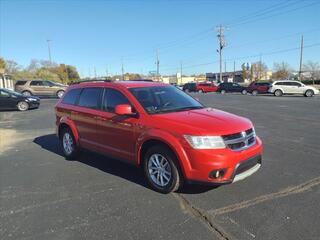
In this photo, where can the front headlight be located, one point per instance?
(31, 99)
(205, 142)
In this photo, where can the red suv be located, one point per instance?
(173, 137)
(206, 87)
(258, 87)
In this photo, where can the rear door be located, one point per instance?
(85, 116)
(40, 87)
(297, 88)
(116, 134)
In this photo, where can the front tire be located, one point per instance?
(68, 144)
(223, 91)
(309, 93)
(22, 106)
(278, 93)
(162, 170)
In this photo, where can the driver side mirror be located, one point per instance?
(124, 109)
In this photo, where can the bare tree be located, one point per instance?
(313, 68)
(281, 70)
(258, 70)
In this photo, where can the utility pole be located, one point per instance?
(222, 44)
(107, 72)
(301, 53)
(180, 72)
(225, 66)
(234, 70)
(49, 51)
(95, 73)
(122, 69)
(158, 65)
(260, 67)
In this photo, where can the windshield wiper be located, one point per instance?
(189, 108)
(176, 109)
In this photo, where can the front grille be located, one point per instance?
(240, 141)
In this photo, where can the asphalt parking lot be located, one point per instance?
(44, 196)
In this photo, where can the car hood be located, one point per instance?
(207, 121)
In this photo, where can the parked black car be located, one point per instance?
(13, 100)
(231, 87)
(190, 87)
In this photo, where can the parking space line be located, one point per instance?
(268, 197)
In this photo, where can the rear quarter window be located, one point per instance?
(20, 83)
(71, 96)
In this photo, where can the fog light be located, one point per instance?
(217, 173)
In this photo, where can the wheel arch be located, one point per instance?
(171, 143)
(68, 123)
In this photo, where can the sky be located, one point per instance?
(100, 35)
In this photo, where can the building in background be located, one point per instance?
(6, 80)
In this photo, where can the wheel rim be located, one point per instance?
(159, 170)
(223, 91)
(244, 92)
(67, 143)
(60, 94)
(26, 94)
(309, 94)
(278, 93)
(254, 93)
(22, 106)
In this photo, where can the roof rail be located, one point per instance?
(88, 81)
(142, 80)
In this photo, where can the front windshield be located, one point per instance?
(162, 99)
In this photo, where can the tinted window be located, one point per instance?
(3, 94)
(71, 96)
(89, 97)
(112, 98)
(19, 83)
(295, 84)
(36, 83)
(280, 83)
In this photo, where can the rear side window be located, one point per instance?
(112, 98)
(280, 84)
(90, 97)
(71, 96)
(20, 83)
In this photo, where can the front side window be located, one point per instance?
(36, 83)
(162, 99)
(71, 96)
(4, 94)
(112, 98)
(90, 97)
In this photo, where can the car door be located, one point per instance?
(6, 101)
(116, 133)
(296, 88)
(39, 87)
(236, 87)
(84, 115)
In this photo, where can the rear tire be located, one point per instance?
(60, 94)
(162, 170)
(22, 106)
(278, 93)
(244, 92)
(68, 144)
(254, 92)
(309, 93)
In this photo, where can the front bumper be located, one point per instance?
(235, 165)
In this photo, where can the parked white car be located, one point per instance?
(278, 88)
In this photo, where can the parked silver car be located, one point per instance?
(278, 88)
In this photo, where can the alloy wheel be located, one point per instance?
(67, 142)
(159, 170)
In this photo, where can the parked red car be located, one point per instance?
(206, 87)
(173, 137)
(258, 87)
